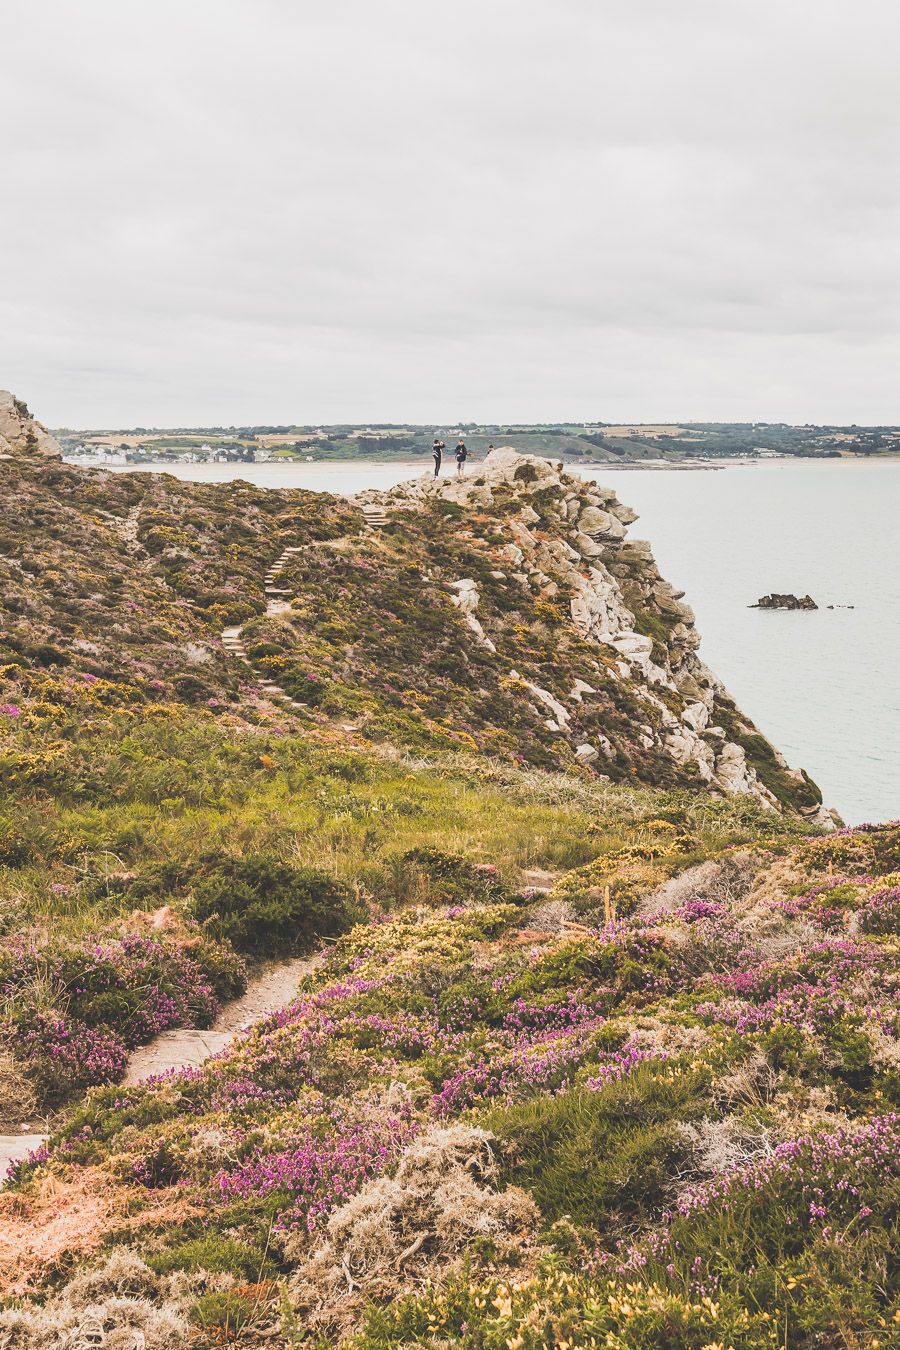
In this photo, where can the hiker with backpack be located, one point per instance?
(462, 455)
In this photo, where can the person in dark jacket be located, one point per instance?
(462, 455)
(437, 452)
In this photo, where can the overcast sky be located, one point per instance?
(238, 211)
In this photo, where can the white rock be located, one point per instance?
(581, 687)
(22, 434)
(588, 547)
(560, 713)
(467, 596)
(593, 521)
(696, 715)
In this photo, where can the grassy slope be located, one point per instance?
(623, 1063)
(126, 581)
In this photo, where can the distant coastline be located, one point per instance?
(419, 466)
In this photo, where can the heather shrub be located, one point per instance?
(611, 1152)
(263, 905)
(63, 1054)
(880, 912)
(811, 1229)
(71, 1012)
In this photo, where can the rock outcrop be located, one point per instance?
(21, 435)
(567, 538)
(776, 601)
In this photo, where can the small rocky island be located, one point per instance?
(775, 601)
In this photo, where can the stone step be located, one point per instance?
(276, 590)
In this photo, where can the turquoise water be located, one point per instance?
(823, 685)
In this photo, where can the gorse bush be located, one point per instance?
(447, 878)
(264, 906)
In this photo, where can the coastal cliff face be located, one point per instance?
(573, 638)
(21, 435)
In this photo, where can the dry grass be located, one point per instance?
(17, 1097)
(61, 1219)
(401, 1231)
(119, 1305)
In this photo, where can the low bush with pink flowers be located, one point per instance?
(72, 1012)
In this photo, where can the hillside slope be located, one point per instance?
(126, 581)
(600, 1046)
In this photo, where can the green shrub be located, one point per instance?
(215, 1254)
(601, 1156)
(447, 878)
(263, 905)
(227, 1311)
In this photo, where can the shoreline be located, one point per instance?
(419, 467)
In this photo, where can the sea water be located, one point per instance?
(822, 685)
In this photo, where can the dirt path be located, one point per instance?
(184, 1048)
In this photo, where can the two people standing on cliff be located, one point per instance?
(437, 454)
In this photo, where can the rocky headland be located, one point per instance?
(591, 1033)
(622, 630)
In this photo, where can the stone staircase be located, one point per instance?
(232, 639)
(376, 516)
(271, 578)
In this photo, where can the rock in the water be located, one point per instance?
(775, 601)
(21, 435)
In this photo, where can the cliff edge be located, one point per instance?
(21, 435)
(560, 547)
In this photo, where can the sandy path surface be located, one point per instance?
(182, 1048)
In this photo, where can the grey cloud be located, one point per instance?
(292, 209)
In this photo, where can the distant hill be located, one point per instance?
(587, 443)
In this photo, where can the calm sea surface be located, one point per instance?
(824, 685)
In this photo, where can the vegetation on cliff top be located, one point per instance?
(584, 1063)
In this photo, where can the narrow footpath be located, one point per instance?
(277, 602)
(187, 1048)
(184, 1048)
